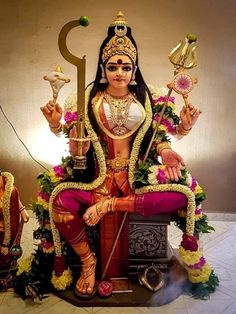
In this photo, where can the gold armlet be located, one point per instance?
(180, 130)
(161, 146)
(56, 129)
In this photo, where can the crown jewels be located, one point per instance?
(119, 44)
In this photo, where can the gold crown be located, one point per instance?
(119, 44)
(120, 20)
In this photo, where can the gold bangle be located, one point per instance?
(22, 208)
(181, 130)
(111, 205)
(161, 146)
(187, 130)
(98, 207)
(56, 129)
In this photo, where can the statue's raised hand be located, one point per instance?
(193, 115)
(53, 113)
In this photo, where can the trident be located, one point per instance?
(183, 57)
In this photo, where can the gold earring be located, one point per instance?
(133, 82)
(103, 79)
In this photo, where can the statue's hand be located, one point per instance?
(173, 162)
(52, 113)
(73, 145)
(193, 114)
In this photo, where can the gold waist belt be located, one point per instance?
(117, 163)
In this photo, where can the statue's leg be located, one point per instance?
(153, 203)
(67, 215)
(146, 204)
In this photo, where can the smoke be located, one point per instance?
(176, 283)
(169, 292)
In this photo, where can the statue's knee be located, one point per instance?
(66, 201)
(61, 215)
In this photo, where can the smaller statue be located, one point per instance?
(12, 218)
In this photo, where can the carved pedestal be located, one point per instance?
(148, 242)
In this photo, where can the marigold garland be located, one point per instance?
(200, 276)
(41, 201)
(188, 257)
(138, 141)
(62, 282)
(24, 265)
(154, 179)
(79, 185)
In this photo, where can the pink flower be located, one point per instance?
(164, 122)
(198, 211)
(44, 196)
(194, 184)
(163, 99)
(59, 171)
(70, 117)
(161, 176)
(167, 123)
(200, 264)
(189, 243)
(46, 244)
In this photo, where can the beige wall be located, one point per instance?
(29, 31)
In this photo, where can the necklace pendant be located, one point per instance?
(119, 130)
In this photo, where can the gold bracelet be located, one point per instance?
(180, 130)
(22, 208)
(56, 129)
(161, 146)
(111, 204)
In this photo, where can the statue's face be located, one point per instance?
(118, 70)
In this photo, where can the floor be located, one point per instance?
(219, 249)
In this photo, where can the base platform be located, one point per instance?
(140, 297)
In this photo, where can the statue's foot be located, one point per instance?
(86, 286)
(95, 212)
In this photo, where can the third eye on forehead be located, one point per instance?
(119, 61)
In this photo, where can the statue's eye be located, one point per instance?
(111, 68)
(127, 68)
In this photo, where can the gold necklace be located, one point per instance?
(119, 107)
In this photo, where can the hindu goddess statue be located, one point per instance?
(121, 112)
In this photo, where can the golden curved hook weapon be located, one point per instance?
(183, 56)
(80, 63)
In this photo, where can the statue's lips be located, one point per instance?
(119, 80)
